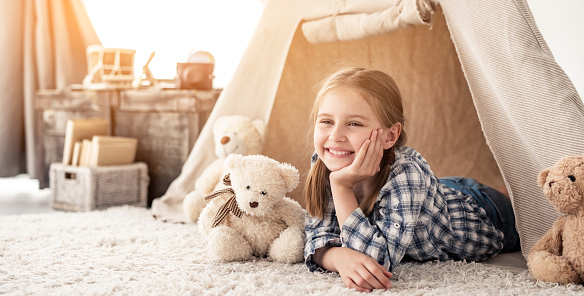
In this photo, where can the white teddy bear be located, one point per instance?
(254, 217)
(231, 134)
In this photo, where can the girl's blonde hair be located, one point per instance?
(381, 92)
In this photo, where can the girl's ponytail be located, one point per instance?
(315, 194)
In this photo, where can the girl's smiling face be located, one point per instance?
(343, 122)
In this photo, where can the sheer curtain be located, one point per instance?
(43, 47)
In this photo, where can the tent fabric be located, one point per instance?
(256, 78)
(261, 67)
(529, 109)
(44, 45)
(479, 61)
(351, 26)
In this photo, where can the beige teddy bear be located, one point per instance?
(254, 217)
(231, 134)
(559, 255)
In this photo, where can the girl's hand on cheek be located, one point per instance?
(365, 164)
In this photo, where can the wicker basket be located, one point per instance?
(81, 188)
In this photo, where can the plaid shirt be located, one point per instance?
(414, 215)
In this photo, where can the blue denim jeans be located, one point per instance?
(496, 204)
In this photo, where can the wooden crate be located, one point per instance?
(52, 110)
(165, 122)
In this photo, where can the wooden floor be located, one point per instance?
(21, 195)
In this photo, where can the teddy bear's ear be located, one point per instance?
(260, 127)
(219, 122)
(232, 161)
(290, 175)
(542, 176)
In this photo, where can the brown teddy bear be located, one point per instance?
(559, 255)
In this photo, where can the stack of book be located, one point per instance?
(87, 144)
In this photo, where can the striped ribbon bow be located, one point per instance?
(229, 206)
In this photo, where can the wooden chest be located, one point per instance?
(165, 122)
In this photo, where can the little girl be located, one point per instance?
(372, 202)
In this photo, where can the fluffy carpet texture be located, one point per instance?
(124, 251)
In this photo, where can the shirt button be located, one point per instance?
(396, 225)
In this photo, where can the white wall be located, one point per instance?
(174, 28)
(560, 22)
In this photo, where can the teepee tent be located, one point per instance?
(483, 95)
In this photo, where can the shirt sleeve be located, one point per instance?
(321, 233)
(385, 235)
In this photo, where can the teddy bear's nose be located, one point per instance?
(224, 140)
(253, 204)
(552, 182)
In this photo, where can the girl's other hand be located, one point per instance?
(359, 271)
(366, 163)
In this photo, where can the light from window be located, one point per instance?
(175, 28)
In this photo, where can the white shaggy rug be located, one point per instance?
(124, 251)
